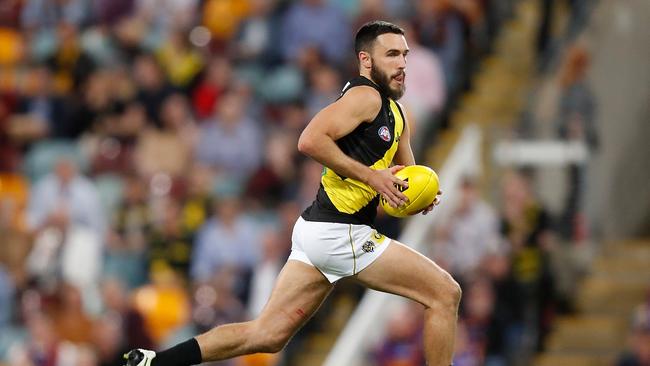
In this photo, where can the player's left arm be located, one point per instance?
(404, 155)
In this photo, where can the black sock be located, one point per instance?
(183, 354)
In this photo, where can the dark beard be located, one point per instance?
(383, 82)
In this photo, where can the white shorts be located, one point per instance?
(337, 250)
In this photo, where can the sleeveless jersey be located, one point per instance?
(346, 200)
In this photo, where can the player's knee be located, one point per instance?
(451, 294)
(446, 295)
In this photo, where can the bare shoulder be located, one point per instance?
(362, 101)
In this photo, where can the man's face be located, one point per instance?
(388, 68)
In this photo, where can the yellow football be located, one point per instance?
(422, 190)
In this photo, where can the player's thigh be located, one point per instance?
(403, 271)
(299, 290)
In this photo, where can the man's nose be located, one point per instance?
(402, 63)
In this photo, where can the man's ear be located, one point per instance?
(365, 60)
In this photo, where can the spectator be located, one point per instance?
(294, 116)
(576, 122)
(109, 12)
(370, 10)
(217, 301)
(220, 235)
(168, 150)
(239, 151)
(131, 222)
(108, 340)
(638, 353)
(222, 17)
(198, 199)
(170, 244)
(440, 28)
(42, 346)
(65, 197)
(403, 343)
(325, 88)
(119, 310)
(179, 60)
(525, 223)
(266, 271)
(275, 178)
(164, 304)
(71, 321)
(6, 297)
(40, 112)
(216, 79)
(465, 352)
(476, 324)
(116, 137)
(46, 15)
(66, 215)
(152, 86)
(9, 149)
(95, 105)
(315, 23)
(10, 13)
(256, 35)
(426, 93)
(469, 235)
(165, 15)
(71, 65)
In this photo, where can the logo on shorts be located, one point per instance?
(384, 133)
(368, 246)
(377, 235)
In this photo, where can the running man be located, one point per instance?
(357, 138)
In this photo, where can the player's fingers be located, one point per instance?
(396, 196)
(427, 209)
(392, 200)
(401, 183)
(389, 197)
(401, 196)
(396, 168)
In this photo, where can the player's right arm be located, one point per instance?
(318, 141)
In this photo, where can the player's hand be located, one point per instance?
(386, 184)
(433, 204)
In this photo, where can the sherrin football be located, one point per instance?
(422, 189)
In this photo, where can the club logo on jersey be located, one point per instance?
(368, 246)
(384, 133)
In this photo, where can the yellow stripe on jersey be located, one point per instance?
(350, 195)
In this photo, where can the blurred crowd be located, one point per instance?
(149, 176)
(501, 258)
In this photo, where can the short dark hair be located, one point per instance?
(368, 32)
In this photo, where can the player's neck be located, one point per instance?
(366, 74)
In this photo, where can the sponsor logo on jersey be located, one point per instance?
(384, 133)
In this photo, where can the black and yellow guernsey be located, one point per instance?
(346, 200)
